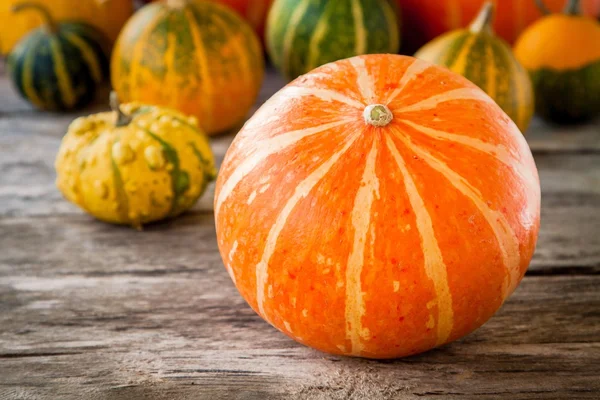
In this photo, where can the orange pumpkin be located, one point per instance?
(197, 57)
(423, 20)
(378, 206)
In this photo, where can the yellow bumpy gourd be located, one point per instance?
(134, 165)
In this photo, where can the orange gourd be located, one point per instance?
(197, 57)
(423, 20)
(378, 206)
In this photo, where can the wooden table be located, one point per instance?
(89, 310)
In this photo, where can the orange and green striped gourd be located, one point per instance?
(486, 60)
(303, 34)
(198, 57)
(378, 206)
(562, 54)
(134, 165)
(253, 11)
(58, 66)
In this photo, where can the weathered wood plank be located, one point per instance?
(85, 311)
(570, 223)
(548, 138)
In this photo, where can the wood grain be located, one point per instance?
(93, 311)
(117, 312)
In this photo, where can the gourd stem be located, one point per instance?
(122, 118)
(49, 22)
(485, 18)
(542, 7)
(573, 7)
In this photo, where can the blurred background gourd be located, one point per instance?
(198, 57)
(134, 165)
(108, 16)
(304, 34)
(58, 66)
(562, 53)
(486, 60)
(253, 11)
(423, 20)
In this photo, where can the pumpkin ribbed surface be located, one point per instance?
(486, 60)
(59, 70)
(108, 16)
(301, 35)
(156, 166)
(378, 206)
(198, 57)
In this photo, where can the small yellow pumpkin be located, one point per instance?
(134, 165)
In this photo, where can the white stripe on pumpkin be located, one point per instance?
(328, 95)
(265, 149)
(497, 151)
(230, 260)
(435, 268)
(364, 81)
(451, 95)
(411, 73)
(302, 190)
(507, 240)
(361, 220)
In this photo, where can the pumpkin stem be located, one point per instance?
(485, 18)
(49, 22)
(542, 7)
(573, 7)
(122, 118)
(377, 115)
